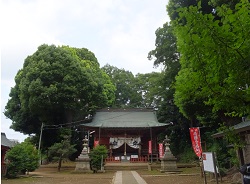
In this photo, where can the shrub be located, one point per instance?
(21, 158)
(97, 155)
(188, 156)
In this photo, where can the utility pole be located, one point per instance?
(39, 146)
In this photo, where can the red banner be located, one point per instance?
(149, 147)
(196, 140)
(96, 143)
(161, 154)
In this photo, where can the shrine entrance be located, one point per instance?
(125, 148)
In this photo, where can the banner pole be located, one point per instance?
(203, 171)
(215, 170)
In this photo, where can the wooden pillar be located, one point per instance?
(110, 152)
(139, 150)
(99, 135)
(125, 145)
(151, 144)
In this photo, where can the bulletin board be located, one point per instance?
(208, 162)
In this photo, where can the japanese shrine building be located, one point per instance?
(127, 133)
(6, 144)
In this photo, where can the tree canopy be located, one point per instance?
(214, 60)
(57, 85)
(124, 81)
(141, 90)
(186, 91)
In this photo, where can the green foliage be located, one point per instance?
(165, 52)
(142, 90)
(149, 87)
(203, 63)
(234, 160)
(21, 158)
(57, 85)
(232, 137)
(62, 150)
(223, 156)
(126, 94)
(188, 155)
(214, 59)
(226, 156)
(97, 156)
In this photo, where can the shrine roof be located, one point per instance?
(125, 118)
(238, 128)
(6, 142)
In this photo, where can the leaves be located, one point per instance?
(216, 55)
(62, 150)
(22, 157)
(55, 85)
(97, 156)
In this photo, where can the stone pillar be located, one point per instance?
(83, 160)
(168, 162)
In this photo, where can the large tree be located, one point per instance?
(215, 62)
(126, 94)
(56, 86)
(149, 87)
(166, 54)
(141, 90)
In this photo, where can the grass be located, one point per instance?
(190, 170)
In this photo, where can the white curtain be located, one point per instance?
(116, 142)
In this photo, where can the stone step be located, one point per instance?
(126, 166)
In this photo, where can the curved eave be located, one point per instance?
(126, 125)
(243, 127)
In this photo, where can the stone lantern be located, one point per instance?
(168, 162)
(83, 160)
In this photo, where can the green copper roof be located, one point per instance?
(241, 127)
(6, 142)
(131, 118)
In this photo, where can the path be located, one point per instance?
(128, 177)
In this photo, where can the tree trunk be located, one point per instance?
(59, 164)
(68, 116)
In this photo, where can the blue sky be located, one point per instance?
(118, 32)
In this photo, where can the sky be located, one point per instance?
(118, 32)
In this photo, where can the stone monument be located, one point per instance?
(168, 162)
(83, 160)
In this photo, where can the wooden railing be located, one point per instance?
(132, 160)
(112, 159)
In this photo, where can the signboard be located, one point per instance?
(161, 153)
(196, 141)
(149, 147)
(134, 156)
(209, 162)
